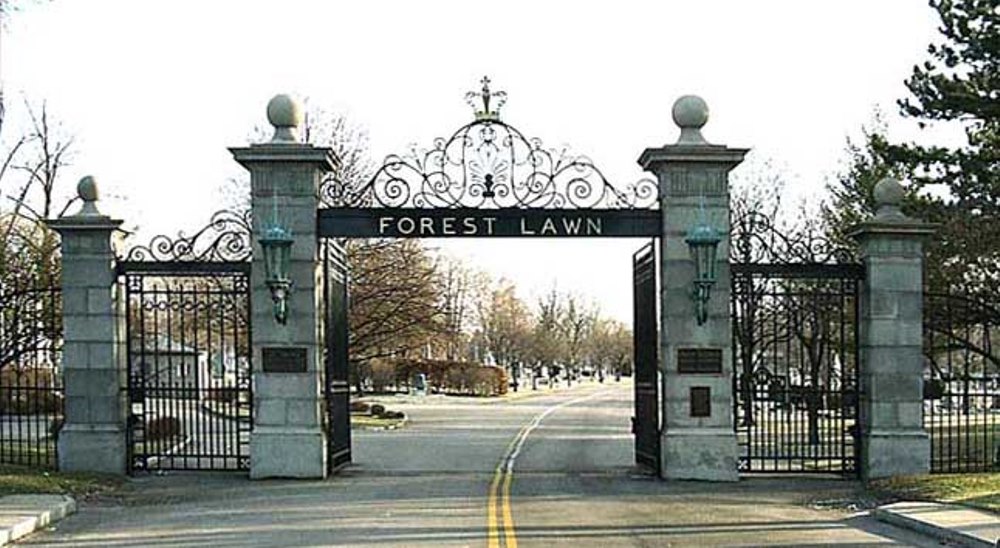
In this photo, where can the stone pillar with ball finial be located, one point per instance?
(288, 439)
(697, 440)
(92, 437)
(893, 439)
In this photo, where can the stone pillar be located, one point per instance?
(893, 439)
(288, 439)
(92, 438)
(698, 440)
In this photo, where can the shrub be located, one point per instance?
(360, 407)
(377, 410)
(163, 428)
(27, 402)
(383, 375)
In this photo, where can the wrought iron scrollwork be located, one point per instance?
(490, 164)
(226, 238)
(757, 239)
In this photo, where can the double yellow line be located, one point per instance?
(498, 502)
(499, 519)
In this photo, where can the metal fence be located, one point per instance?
(961, 383)
(31, 384)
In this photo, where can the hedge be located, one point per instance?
(443, 376)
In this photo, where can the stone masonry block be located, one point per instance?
(106, 409)
(270, 411)
(88, 328)
(76, 406)
(893, 359)
(99, 301)
(894, 277)
(286, 385)
(893, 332)
(707, 454)
(101, 355)
(304, 412)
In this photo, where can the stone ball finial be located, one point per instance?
(690, 113)
(286, 115)
(888, 194)
(86, 189)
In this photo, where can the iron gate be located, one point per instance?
(961, 383)
(31, 384)
(795, 348)
(646, 423)
(336, 357)
(187, 348)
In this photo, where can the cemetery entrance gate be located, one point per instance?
(485, 181)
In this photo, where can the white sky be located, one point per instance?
(156, 91)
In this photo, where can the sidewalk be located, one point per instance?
(22, 515)
(948, 522)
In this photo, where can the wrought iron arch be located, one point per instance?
(489, 164)
(225, 239)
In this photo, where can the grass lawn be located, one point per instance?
(22, 480)
(976, 490)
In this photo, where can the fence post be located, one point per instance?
(92, 438)
(893, 439)
(288, 439)
(693, 178)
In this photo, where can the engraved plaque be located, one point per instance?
(701, 401)
(699, 360)
(283, 359)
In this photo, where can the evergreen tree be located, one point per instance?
(956, 187)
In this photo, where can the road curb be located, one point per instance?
(21, 515)
(396, 426)
(906, 515)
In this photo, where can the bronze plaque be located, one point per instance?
(701, 401)
(283, 359)
(699, 360)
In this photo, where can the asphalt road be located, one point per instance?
(544, 470)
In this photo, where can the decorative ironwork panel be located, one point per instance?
(226, 238)
(961, 383)
(188, 353)
(31, 380)
(795, 348)
(336, 356)
(645, 348)
(755, 238)
(490, 164)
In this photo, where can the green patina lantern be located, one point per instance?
(276, 243)
(703, 240)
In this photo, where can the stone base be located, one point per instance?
(283, 452)
(888, 453)
(92, 448)
(708, 454)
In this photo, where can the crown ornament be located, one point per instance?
(489, 101)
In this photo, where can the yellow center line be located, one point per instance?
(510, 539)
(498, 506)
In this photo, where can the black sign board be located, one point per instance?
(699, 360)
(283, 359)
(487, 223)
(701, 401)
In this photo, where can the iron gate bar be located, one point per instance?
(188, 411)
(175, 268)
(336, 355)
(799, 270)
(796, 347)
(961, 383)
(646, 359)
(31, 389)
(498, 223)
